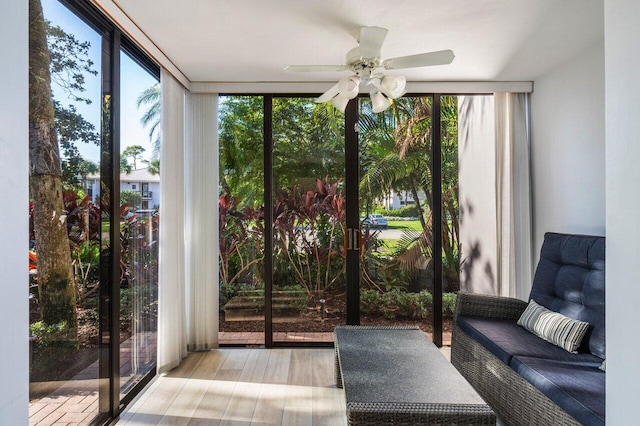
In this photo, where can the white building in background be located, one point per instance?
(139, 180)
(394, 200)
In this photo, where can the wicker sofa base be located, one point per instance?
(513, 398)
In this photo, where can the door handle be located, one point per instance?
(353, 239)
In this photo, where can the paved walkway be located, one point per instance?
(75, 402)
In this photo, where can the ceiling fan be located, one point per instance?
(364, 60)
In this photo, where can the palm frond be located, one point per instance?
(414, 250)
(150, 95)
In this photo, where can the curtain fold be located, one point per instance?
(476, 192)
(201, 189)
(172, 336)
(513, 195)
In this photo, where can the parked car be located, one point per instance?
(375, 221)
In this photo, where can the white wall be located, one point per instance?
(477, 194)
(622, 35)
(14, 180)
(568, 148)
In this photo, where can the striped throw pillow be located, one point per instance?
(553, 327)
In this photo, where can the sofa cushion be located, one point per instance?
(504, 338)
(553, 327)
(569, 279)
(579, 389)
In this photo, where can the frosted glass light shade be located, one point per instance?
(379, 102)
(340, 102)
(349, 87)
(393, 86)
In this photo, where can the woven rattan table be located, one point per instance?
(397, 376)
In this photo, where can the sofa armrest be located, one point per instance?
(481, 305)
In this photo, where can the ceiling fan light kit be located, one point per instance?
(340, 102)
(349, 86)
(393, 86)
(378, 101)
(362, 61)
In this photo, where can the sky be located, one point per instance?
(134, 80)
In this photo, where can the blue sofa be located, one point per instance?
(525, 379)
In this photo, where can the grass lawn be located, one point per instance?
(413, 225)
(389, 243)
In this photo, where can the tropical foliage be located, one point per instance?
(308, 237)
(151, 117)
(398, 146)
(308, 158)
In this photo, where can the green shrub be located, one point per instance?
(133, 198)
(401, 304)
(406, 211)
(52, 335)
(411, 305)
(228, 292)
(370, 302)
(448, 304)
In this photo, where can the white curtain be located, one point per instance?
(476, 192)
(172, 336)
(513, 194)
(201, 178)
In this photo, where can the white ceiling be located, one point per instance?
(253, 40)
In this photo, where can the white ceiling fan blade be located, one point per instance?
(371, 39)
(441, 57)
(314, 68)
(329, 94)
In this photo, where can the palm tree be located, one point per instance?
(398, 156)
(86, 168)
(151, 117)
(153, 166)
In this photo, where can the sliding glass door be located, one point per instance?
(308, 293)
(397, 179)
(139, 221)
(241, 221)
(64, 268)
(354, 203)
(93, 274)
(409, 200)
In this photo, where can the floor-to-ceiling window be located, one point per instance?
(93, 258)
(64, 312)
(404, 198)
(139, 204)
(241, 220)
(308, 297)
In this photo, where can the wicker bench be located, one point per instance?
(395, 375)
(526, 380)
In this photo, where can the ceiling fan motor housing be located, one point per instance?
(359, 65)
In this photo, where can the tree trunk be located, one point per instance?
(55, 274)
(416, 199)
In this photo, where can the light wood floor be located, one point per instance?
(244, 387)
